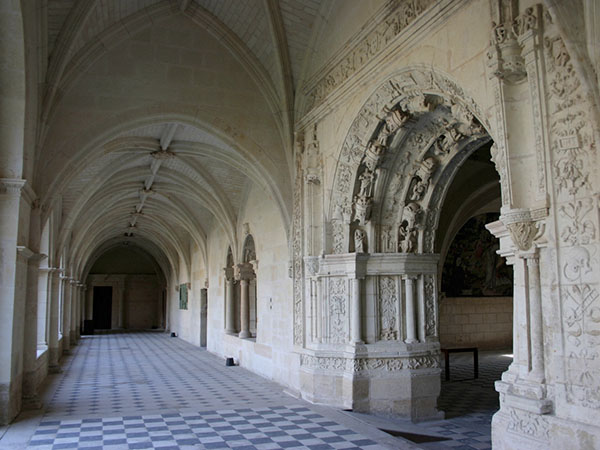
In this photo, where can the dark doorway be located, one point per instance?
(102, 307)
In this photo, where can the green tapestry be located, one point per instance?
(183, 296)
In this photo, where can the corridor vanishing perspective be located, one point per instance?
(141, 390)
(334, 195)
(147, 390)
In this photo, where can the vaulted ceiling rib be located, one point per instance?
(170, 175)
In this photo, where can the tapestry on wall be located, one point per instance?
(472, 267)
(183, 296)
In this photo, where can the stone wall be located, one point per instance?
(135, 299)
(483, 322)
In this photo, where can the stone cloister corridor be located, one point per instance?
(336, 195)
(141, 390)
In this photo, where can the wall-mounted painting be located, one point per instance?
(472, 267)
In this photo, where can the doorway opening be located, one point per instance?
(476, 305)
(102, 315)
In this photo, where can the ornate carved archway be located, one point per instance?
(398, 159)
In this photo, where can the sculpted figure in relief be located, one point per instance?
(423, 179)
(386, 240)
(360, 240)
(366, 183)
(407, 232)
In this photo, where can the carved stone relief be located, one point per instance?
(430, 306)
(297, 265)
(407, 231)
(367, 48)
(338, 310)
(396, 364)
(388, 300)
(450, 122)
(532, 425)
(578, 229)
(360, 241)
(571, 133)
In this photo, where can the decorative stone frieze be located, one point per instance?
(361, 365)
(369, 46)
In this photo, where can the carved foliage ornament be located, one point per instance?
(297, 263)
(571, 135)
(522, 234)
(387, 308)
(338, 311)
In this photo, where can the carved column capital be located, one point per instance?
(244, 271)
(229, 273)
(525, 226)
(11, 186)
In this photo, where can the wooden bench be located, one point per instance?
(447, 351)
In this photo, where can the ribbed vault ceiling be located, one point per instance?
(166, 184)
(156, 184)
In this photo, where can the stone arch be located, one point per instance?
(397, 161)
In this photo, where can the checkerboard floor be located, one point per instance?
(247, 428)
(147, 390)
(468, 403)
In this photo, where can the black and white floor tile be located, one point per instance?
(146, 390)
(247, 428)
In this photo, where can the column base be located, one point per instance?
(244, 334)
(10, 400)
(54, 357)
(407, 386)
(231, 332)
(32, 403)
(54, 369)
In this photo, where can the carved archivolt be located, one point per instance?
(398, 159)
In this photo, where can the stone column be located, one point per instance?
(399, 314)
(74, 311)
(229, 301)
(30, 333)
(536, 319)
(245, 273)
(411, 322)
(82, 306)
(53, 323)
(355, 335)
(11, 304)
(421, 309)
(89, 303)
(66, 310)
(244, 309)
